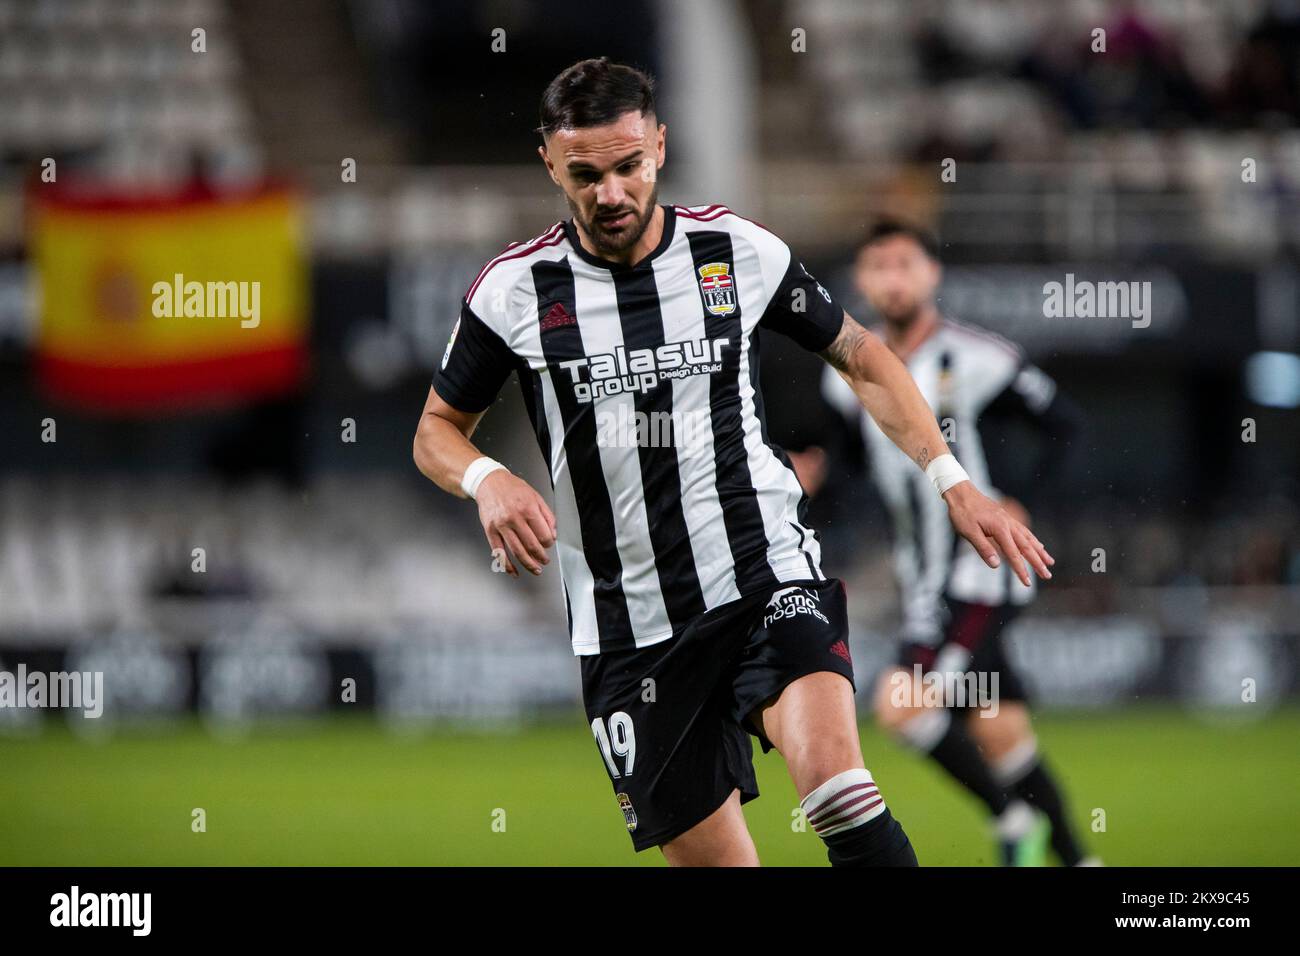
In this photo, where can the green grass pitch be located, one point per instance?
(1175, 790)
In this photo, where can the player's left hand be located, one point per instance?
(990, 529)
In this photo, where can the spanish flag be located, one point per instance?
(155, 303)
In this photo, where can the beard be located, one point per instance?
(611, 242)
(900, 315)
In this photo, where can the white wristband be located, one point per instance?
(478, 469)
(944, 472)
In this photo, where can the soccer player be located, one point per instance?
(955, 606)
(695, 597)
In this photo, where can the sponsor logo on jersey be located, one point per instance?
(640, 370)
(718, 288)
(791, 602)
(625, 804)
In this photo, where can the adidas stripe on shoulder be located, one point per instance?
(504, 269)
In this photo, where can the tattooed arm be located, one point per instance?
(886, 390)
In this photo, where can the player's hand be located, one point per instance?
(516, 520)
(1017, 511)
(990, 529)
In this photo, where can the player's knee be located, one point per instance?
(721, 839)
(822, 756)
(884, 702)
(895, 704)
(904, 716)
(1003, 735)
(889, 717)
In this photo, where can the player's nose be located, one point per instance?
(609, 192)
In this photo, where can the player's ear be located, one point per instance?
(546, 161)
(660, 145)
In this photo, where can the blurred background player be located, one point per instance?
(955, 607)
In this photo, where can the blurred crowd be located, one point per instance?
(1147, 76)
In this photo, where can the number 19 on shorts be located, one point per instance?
(618, 741)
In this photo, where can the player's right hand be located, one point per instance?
(516, 520)
(1017, 511)
(990, 529)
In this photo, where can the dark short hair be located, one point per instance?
(883, 229)
(593, 93)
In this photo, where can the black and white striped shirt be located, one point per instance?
(966, 374)
(642, 386)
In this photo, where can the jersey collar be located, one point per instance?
(670, 221)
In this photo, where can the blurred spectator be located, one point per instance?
(1140, 80)
(1264, 82)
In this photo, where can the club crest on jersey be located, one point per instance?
(625, 804)
(718, 288)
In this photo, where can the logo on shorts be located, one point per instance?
(718, 288)
(789, 602)
(625, 804)
(840, 649)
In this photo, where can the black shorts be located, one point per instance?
(670, 719)
(978, 628)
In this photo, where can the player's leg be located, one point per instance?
(794, 690)
(813, 725)
(679, 762)
(937, 731)
(931, 729)
(1005, 735)
(1008, 740)
(722, 839)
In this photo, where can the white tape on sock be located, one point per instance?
(845, 801)
(1016, 762)
(924, 730)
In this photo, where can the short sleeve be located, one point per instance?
(803, 310)
(1034, 388)
(475, 365)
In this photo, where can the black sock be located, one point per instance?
(957, 753)
(1039, 789)
(878, 842)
